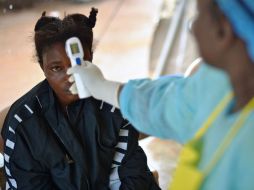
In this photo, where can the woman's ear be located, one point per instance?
(225, 32)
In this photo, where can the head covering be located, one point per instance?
(240, 14)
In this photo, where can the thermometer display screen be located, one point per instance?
(74, 48)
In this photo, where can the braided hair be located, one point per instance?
(49, 30)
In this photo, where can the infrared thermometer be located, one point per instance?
(75, 53)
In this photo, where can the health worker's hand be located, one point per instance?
(93, 79)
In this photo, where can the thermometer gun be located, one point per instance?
(75, 52)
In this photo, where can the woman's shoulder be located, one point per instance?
(106, 108)
(107, 112)
(25, 107)
(37, 90)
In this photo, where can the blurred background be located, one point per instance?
(133, 39)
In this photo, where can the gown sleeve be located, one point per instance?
(166, 107)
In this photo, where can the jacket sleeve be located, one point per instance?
(131, 171)
(135, 174)
(22, 169)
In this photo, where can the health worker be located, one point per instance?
(211, 112)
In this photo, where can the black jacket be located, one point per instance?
(90, 148)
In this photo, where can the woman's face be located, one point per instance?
(205, 29)
(55, 65)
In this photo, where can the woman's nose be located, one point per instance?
(66, 77)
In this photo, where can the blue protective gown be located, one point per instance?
(174, 107)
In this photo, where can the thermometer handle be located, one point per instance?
(82, 90)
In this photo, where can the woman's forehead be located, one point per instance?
(55, 50)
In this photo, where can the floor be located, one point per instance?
(124, 34)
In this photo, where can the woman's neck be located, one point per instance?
(242, 78)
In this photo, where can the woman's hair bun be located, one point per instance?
(92, 17)
(44, 20)
(43, 13)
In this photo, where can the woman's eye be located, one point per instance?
(56, 69)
